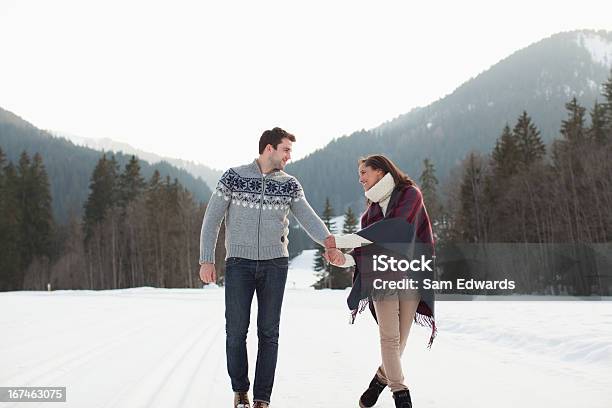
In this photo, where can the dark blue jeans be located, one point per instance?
(243, 278)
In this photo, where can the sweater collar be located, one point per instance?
(381, 190)
(256, 168)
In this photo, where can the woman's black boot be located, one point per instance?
(370, 396)
(402, 399)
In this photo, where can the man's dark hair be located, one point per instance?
(273, 137)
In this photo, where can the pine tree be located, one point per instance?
(320, 265)
(103, 193)
(10, 263)
(340, 278)
(34, 220)
(528, 141)
(572, 128)
(100, 225)
(40, 207)
(350, 222)
(333, 277)
(319, 262)
(328, 214)
(429, 187)
(24, 192)
(505, 156)
(505, 164)
(597, 131)
(131, 183)
(607, 107)
(154, 190)
(130, 186)
(565, 152)
(11, 271)
(172, 190)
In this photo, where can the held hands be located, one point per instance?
(208, 274)
(332, 254)
(330, 242)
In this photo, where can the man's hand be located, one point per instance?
(208, 274)
(334, 256)
(330, 242)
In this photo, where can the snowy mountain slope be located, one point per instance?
(598, 45)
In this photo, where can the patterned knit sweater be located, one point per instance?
(255, 207)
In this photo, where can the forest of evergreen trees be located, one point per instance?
(134, 232)
(540, 218)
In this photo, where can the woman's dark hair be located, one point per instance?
(380, 162)
(273, 137)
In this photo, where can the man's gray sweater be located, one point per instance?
(255, 207)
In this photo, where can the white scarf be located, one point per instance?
(381, 191)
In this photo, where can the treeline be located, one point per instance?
(535, 215)
(519, 193)
(134, 232)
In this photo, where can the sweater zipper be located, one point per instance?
(263, 189)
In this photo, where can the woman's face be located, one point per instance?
(369, 176)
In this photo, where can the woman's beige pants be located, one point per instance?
(395, 318)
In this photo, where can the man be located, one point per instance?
(255, 200)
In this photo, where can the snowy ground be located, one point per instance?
(149, 347)
(301, 274)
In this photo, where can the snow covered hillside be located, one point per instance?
(598, 46)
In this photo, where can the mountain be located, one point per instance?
(210, 176)
(70, 167)
(540, 79)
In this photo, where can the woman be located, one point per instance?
(396, 222)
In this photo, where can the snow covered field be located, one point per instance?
(148, 347)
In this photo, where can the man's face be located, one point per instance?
(281, 155)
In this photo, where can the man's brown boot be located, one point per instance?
(260, 404)
(241, 400)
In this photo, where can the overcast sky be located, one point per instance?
(201, 80)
